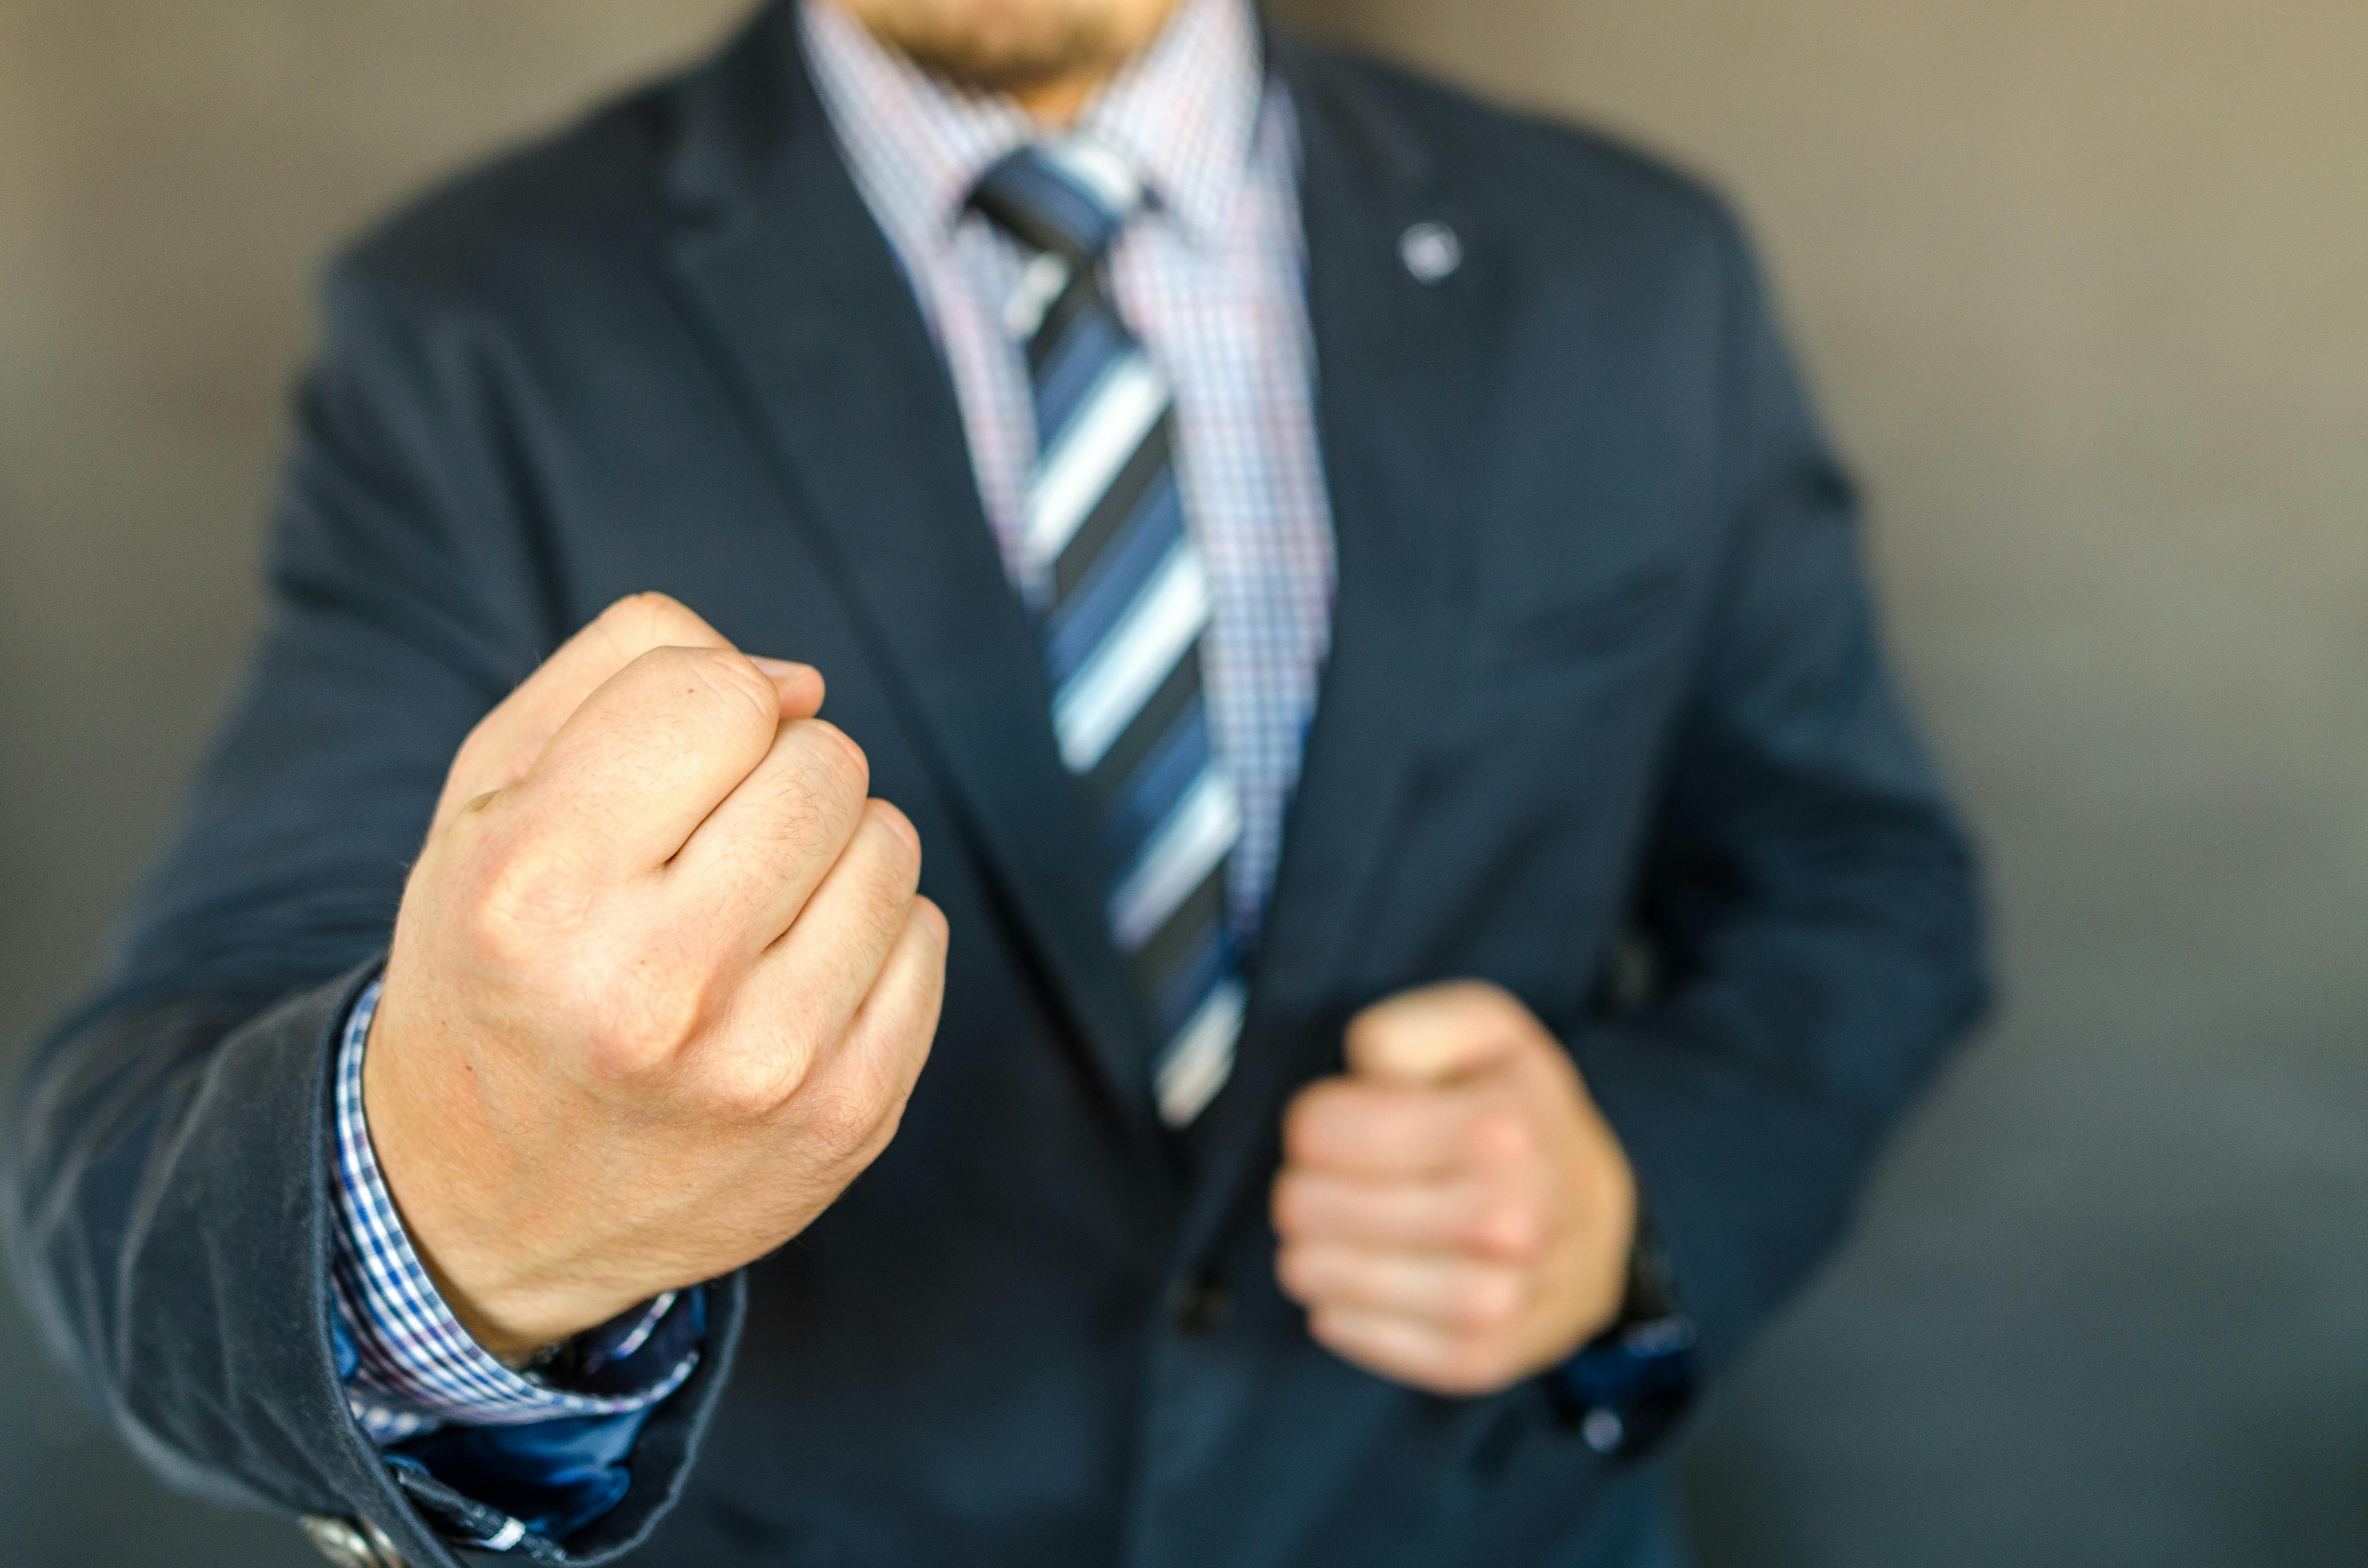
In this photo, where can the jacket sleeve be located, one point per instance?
(1810, 904)
(168, 1183)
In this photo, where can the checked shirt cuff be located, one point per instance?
(414, 1368)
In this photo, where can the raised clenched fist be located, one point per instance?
(660, 985)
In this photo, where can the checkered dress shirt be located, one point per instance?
(1211, 277)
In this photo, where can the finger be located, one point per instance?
(1458, 1215)
(800, 686)
(506, 743)
(1436, 1034)
(880, 1059)
(749, 869)
(1374, 1130)
(830, 959)
(1403, 1350)
(1446, 1291)
(642, 762)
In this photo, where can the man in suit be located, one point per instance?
(1430, 899)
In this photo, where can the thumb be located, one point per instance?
(506, 743)
(1437, 1035)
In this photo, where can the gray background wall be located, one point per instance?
(2082, 283)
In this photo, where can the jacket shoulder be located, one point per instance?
(1558, 182)
(562, 220)
(527, 225)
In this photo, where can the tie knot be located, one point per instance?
(1069, 197)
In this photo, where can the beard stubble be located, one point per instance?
(1006, 46)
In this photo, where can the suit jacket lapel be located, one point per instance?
(1399, 363)
(807, 305)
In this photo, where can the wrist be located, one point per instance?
(515, 1337)
(448, 1189)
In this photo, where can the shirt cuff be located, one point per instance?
(410, 1368)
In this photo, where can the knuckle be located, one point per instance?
(737, 691)
(1483, 1000)
(926, 913)
(616, 1051)
(749, 1087)
(890, 1037)
(897, 865)
(641, 997)
(898, 1050)
(905, 847)
(1485, 1303)
(1512, 1230)
(818, 792)
(885, 913)
(1493, 994)
(1502, 1137)
(840, 1117)
(841, 766)
(641, 1025)
(520, 903)
(640, 607)
(874, 905)
(798, 825)
(647, 619)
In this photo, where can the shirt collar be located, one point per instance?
(1185, 112)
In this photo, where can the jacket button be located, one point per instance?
(1202, 1305)
(349, 1545)
(1430, 251)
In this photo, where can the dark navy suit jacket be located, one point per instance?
(1604, 681)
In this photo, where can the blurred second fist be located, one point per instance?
(1454, 1211)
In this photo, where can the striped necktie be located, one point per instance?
(1127, 613)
